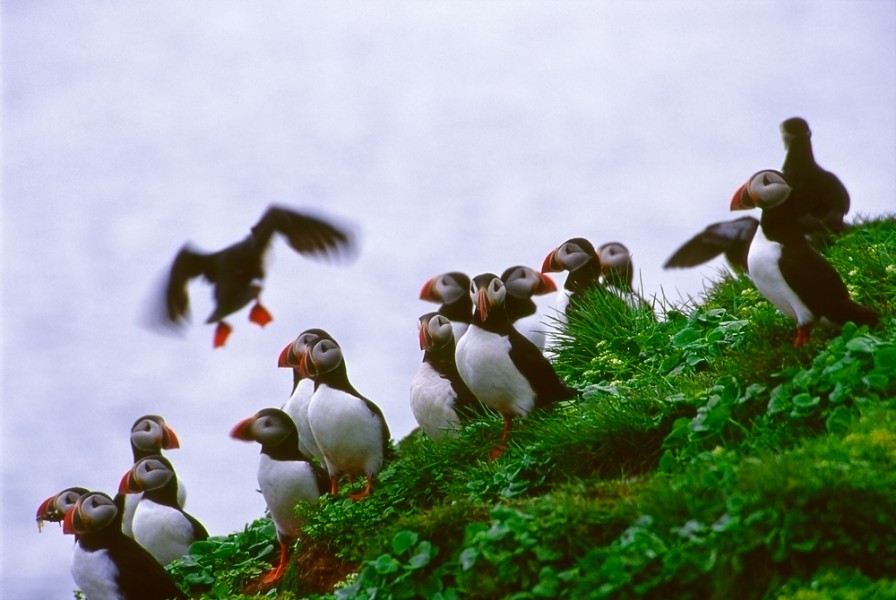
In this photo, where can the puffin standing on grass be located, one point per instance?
(160, 525)
(618, 274)
(302, 390)
(452, 292)
(785, 268)
(237, 271)
(502, 367)
(107, 564)
(580, 259)
(349, 429)
(522, 283)
(285, 475)
(440, 400)
(149, 436)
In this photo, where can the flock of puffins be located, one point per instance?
(481, 355)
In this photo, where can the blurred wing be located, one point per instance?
(305, 234)
(729, 237)
(187, 264)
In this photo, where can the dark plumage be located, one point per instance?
(237, 271)
(731, 238)
(784, 266)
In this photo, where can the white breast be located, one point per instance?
(348, 434)
(297, 408)
(483, 360)
(432, 402)
(762, 261)
(165, 532)
(285, 483)
(130, 506)
(95, 573)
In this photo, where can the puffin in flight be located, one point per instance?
(785, 267)
(285, 475)
(107, 564)
(502, 367)
(452, 292)
(440, 400)
(819, 197)
(160, 525)
(237, 272)
(302, 389)
(349, 429)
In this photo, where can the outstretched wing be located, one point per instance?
(729, 237)
(187, 264)
(306, 235)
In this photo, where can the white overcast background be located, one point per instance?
(464, 136)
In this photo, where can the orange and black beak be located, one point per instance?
(429, 290)
(287, 358)
(129, 484)
(243, 430)
(169, 438)
(742, 199)
(552, 263)
(545, 285)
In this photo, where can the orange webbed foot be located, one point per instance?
(802, 336)
(260, 315)
(222, 332)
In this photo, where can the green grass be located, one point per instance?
(705, 457)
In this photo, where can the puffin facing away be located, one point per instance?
(160, 525)
(503, 368)
(349, 429)
(150, 434)
(440, 400)
(53, 509)
(452, 291)
(107, 564)
(785, 268)
(302, 389)
(237, 271)
(285, 475)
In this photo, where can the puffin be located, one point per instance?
(53, 509)
(302, 389)
(785, 267)
(286, 476)
(160, 525)
(580, 259)
(149, 436)
(452, 291)
(618, 274)
(503, 368)
(821, 195)
(817, 195)
(349, 429)
(440, 400)
(522, 283)
(107, 564)
(237, 272)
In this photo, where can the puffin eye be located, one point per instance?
(765, 179)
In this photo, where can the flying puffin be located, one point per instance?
(784, 266)
(107, 564)
(618, 273)
(237, 271)
(452, 291)
(160, 525)
(285, 475)
(502, 367)
(302, 389)
(819, 197)
(149, 436)
(349, 429)
(522, 283)
(440, 400)
(53, 509)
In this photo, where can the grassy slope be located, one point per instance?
(705, 458)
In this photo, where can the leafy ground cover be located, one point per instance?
(704, 457)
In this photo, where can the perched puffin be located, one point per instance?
(578, 256)
(107, 564)
(785, 268)
(237, 271)
(302, 389)
(349, 429)
(285, 475)
(731, 238)
(440, 400)
(160, 525)
(53, 509)
(618, 273)
(821, 195)
(522, 283)
(452, 291)
(149, 436)
(502, 367)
